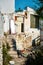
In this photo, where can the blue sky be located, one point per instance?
(23, 3)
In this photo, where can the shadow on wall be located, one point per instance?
(14, 44)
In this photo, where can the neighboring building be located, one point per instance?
(9, 27)
(6, 23)
(41, 24)
(7, 6)
(40, 12)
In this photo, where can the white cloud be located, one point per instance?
(7, 6)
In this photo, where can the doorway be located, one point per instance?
(22, 27)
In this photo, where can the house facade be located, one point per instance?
(27, 21)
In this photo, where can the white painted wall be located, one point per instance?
(6, 23)
(13, 30)
(31, 31)
(7, 6)
(27, 29)
(27, 21)
(34, 32)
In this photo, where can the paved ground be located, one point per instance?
(19, 61)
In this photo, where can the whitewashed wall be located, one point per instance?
(7, 6)
(12, 24)
(6, 23)
(31, 31)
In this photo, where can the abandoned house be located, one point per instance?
(27, 21)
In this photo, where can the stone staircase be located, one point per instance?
(12, 52)
(10, 40)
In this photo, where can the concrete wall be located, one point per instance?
(41, 28)
(18, 27)
(27, 21)
(18, 23)
(6, 23)
(7, 6)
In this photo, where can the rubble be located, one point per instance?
(24, 40)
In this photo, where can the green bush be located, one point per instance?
(35, 58)
(6, 56)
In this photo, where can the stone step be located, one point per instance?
(13, 53)
(14, 56)
(10, 36)
(11, 48)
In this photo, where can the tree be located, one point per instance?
(35, 58)
(40, 12)
(41, 1)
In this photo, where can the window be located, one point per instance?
(34, 21)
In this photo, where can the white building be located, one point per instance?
(9, 25)
(7, 6)
(6, 23)
(27, 21)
